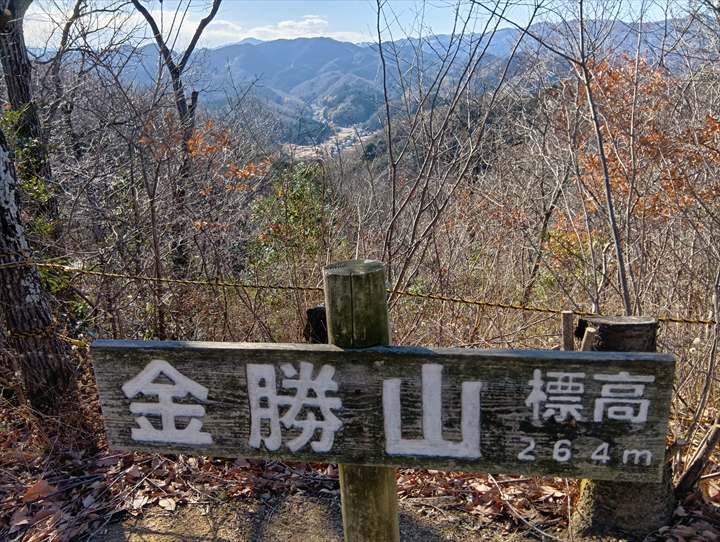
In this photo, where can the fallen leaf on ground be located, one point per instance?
(139, 502)
(39, 490)
(133, 472)
(19, 518)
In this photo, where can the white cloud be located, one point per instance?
(309, 23)
(43, 24)
(309, 26)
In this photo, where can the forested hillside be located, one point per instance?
(152, 188)
(327, 83)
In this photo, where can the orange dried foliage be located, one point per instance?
(251, 170)
(207, 142)
(655, 166)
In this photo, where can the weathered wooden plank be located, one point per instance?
(379, 428)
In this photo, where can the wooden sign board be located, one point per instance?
(591, 415)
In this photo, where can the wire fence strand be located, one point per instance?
(22, 261)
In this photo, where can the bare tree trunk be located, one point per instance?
(17, 69)
(586, 78)
(610, 206)
(42, 357)
(74, 147)
(186, 116)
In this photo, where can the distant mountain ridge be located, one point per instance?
(326, 81)
(249, 41)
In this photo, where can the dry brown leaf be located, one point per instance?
(480, 487)
(167, 504)
(16, 456)
(40, 536)
(20, 517)
(552, 491)
(107, 461)
(46, 511)
(133, 472)
(481, 510)
(712, 490)
(39, 490)
(161, 483)
(139, 502)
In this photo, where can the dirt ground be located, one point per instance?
(299, 517)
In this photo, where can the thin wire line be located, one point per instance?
(286, 287)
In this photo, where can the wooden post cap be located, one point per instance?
(621, 320)
(621, 333)
(355, 301)
(354, 267)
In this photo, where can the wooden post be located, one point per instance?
(607, 508)
(315, 331)
(588, 340)
(355, 301)
(568, 338)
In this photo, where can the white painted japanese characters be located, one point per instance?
(622, 398)
(432, 443)
(559, 397)
(265, 403)
(166, 408)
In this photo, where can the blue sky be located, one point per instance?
(346, 20)
(354, 19)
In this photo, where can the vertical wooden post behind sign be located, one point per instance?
(355, 301)
(568, 330)
(607, 508)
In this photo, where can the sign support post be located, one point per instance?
(355, 301)
(638, 508)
